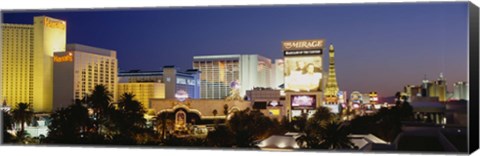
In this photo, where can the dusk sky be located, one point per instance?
(379, 47)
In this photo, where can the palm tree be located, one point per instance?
(133, 110)
(7, 125)
(335, 136)
(23, 114)
(100, 102)
(129, 120)
(248, 126)
(162, 119)
(100, 99)
(321, 117)
(322, 131)
(72, 125)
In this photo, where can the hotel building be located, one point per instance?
(79, 69)
(460, 90)
(143, 91)
(27, 61)
(159, 84)
(278, 72)
(220, 71)
(437, 88)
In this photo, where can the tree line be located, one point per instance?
(95, 120)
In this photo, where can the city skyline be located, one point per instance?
(400, 43)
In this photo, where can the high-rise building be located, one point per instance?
(331, 88)
(460, 91)
(79, 69)
(27, 62)
(413, 90)
(219, 71)
(428, 88)
(166, 84)
(17, 52)
(440, 88)
(278, 72)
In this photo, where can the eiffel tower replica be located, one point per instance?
(331, 88)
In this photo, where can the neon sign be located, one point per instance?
(66, 58)
(303, 44)
(181, 95)
(56, 24)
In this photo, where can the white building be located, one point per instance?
(79, 69)
(218, 72)
(278, 72)
(460, 91)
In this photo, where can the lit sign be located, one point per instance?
(191, 82)
(56, 24)
(356, 97)
(303, 100)
(181, 81)
(303, 73)
(273, 103)
(302, 45)
(274, 112)
(297, 53)
(235, 84)
(66, 58)
(181, 95)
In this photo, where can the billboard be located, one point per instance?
(303, 73)
(315, 44)
(303, 101)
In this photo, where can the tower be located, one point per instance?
(441, 88)
(331, 89)
(425, 87)
(27, 61)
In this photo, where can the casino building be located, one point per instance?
(27, 61)
(221, 95)
(79, 69)
(268, 101)
(162, 84)
(218, 71)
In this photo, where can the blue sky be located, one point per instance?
(379, 47)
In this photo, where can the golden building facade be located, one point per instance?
(17, 63)
(50, 36)
(143, 91)
(27, 70)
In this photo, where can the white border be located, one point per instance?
(49, 4)
(65, 4)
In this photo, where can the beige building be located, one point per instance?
(27, 62)
(143, 91)
(220, 72)
(79, 69)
